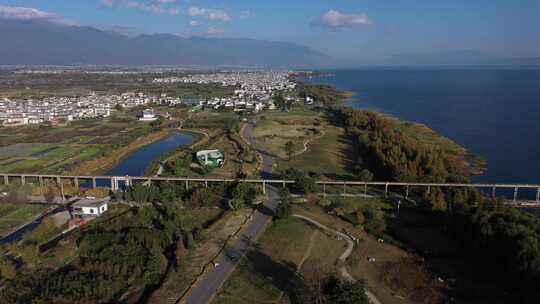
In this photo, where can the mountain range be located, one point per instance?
(44, 43)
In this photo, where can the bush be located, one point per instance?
(304, 184)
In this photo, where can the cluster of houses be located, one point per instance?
(254, 90)
(57, 110)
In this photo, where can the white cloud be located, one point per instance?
(194, 23)
(27, 13)
(336, 20)
(154, 6)
(210, 14)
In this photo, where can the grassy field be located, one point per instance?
(320, 144)
(267, 274)
(275, 129)
(14, 215)
(62, 149)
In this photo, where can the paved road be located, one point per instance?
(210, 284)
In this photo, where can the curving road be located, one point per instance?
(212, 282)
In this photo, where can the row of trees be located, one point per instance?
(132, 250)
(504, 243)
(392, 154)
(235, 195)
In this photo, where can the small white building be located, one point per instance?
(148, 115)
(90, 207)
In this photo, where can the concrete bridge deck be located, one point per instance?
(113, 182)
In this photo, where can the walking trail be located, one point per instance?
(350, 246)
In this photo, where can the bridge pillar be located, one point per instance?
(324, 189)
(6, 180)
(407, 192)
(538, 195)
(41, 181)
(23, 180)
(365, 190)
(344, 188)
(206, 183)
(493, 191)
(264, 187)
(58, 180)
(187, 185)
(94, 184)
(284, 185)
(386, 190)
(76, 182)
(113, 184)
(428, 189)
(515, 194)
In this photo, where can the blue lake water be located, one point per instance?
(136, 163)
(494, 113)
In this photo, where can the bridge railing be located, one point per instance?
(128, 180)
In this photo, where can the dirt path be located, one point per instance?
(350, 246)
(307, 142)
(303, 260)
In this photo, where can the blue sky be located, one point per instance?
(355, 29)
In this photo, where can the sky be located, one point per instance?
(362, 30)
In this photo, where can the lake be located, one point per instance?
(494, 113)
(137, 162)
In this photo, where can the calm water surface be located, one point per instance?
(495, 113)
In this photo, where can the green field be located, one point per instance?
(14, 215)
(38, 149)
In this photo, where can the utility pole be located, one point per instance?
(398, 205)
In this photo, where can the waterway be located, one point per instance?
(134, 165)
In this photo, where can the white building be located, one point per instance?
(90, 207)
(148, 115)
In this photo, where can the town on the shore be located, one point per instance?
(254, 92)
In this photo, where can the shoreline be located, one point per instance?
(107, 163)
(477, 165)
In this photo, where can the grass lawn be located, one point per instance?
(14, 215)
(275, 129)
(268, 273)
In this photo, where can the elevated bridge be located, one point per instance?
(114, 183)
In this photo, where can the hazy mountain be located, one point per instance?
(456, 58)
(25, 42)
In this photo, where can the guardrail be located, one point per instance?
(114, 182)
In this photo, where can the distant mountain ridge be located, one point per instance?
(456, 58)
(42, 43)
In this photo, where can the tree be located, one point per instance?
(118, 107)
(289, 149)
(8, 269)
(365, 175)
(284, 208)
(303, 183)
(181, 167)
(140, 193)
(244, 192)
(360, 219)
(236, 204)
(346, 292)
